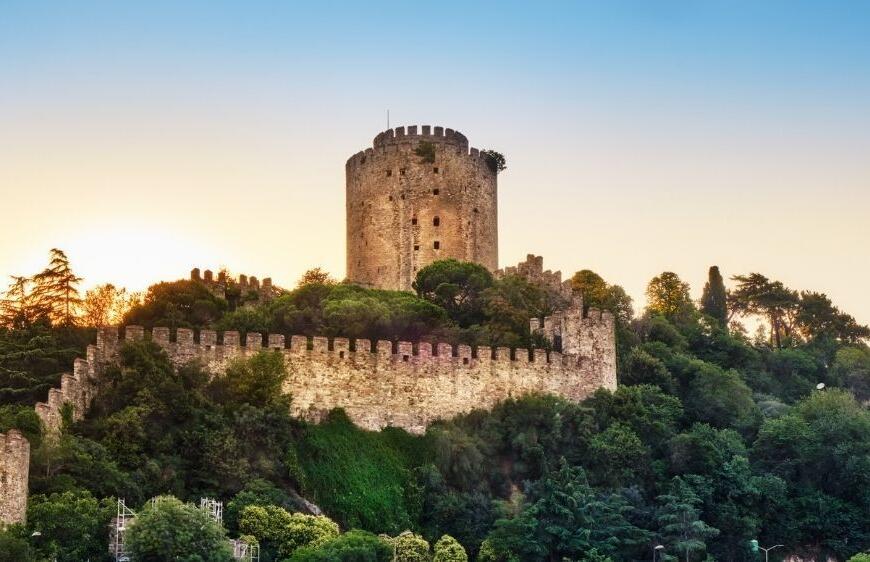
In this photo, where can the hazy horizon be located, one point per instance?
(147, 140)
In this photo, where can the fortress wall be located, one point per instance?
(14, 474)
(408, 384)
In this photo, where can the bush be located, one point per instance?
(353, 546)
(172, 530)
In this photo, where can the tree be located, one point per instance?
(256, 380)
(410, 547)
(495, 160)
(596, 293)
(55, 290)
(448, 549)
(679, 520)
(714, 298)
(72, 525)
(668, 295)
(177, 304)
(105, 305)
(618, 455)
(566, 518)
(14, 546)
(315, 276)
(168, 529)
(353, 546)
(455, 286)
(817, 317)
(17, 309)
(860, 557)
(755, 294)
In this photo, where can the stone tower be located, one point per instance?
(415, 197)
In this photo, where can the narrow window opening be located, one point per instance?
(416, 247)
(436, 221)
(435, 169)
(402, 171)
(475, 209)
(403, 196)
(389, 173)
(437, 245)
(414, 221)
(391, 197)
(405, 358)
(436, 191)
(465, 360)
(341, 355)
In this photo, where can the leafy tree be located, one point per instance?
(286, 531)
(171, 530)
(32, 356)
(618, 455)
(595, 292)
(720, 397)
(259, 492)
(860, 557)
(14, 546)
(679, 520)
(495, 160)
(72, 525)
(105, 305)
(448, 549)
(668, 295)
(643, 368)
(851, 369)
(257, 380)
(755, 294)
(817, 317)
(353, 546)
(315, 276)
(714, 298)
(410, 547)
(456, 287)
(177, 304)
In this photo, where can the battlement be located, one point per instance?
(246, 284)
(408, 138)
(532, 270)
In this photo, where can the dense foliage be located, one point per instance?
(713, 438)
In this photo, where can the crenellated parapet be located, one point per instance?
(409, 138)
(245, 284)
(532, 270)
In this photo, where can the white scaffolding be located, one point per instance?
(117, 545)
(244, 551)
(213, 508)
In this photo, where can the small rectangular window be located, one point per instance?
(436, 191)
(435, 170)
(389, 173)
(437, 245)
(402, 171)
(416, 247)
(436, 221)
(414, 220)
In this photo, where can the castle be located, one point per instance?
(411, 199)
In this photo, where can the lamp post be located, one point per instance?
(756, 547)
(657, 548)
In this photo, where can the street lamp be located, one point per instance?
(756, 547)
(656, 549)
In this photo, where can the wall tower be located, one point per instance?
(417, 196)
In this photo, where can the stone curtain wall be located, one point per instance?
(381, 383)
(395, 199)
(532, 270)
(14, 474)
(407, 384)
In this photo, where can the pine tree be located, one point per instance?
(679, 520)
(55, 290)
(713, 300)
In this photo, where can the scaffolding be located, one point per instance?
(117, 545)
(213, 508)
(244, 551)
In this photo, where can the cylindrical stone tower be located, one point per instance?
(414, 198)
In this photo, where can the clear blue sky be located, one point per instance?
(640, 136)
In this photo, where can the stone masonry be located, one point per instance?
(14, 474)
(405, 211)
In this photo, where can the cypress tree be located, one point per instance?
(713, 301)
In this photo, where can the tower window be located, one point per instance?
(475, 209)
(437, 245)
(436, 191)
(436, 221)
(389, 173)
(416, 247)
(414, 221)
(391, 197)
(435, 170)
(402, 171)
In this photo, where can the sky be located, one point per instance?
(147, 138)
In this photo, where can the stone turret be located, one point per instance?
(417, 196)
